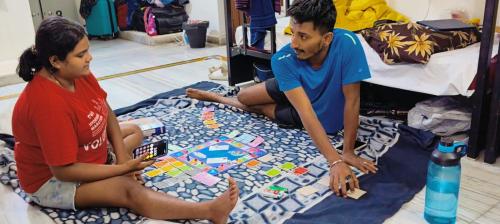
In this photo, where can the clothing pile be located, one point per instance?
(155, 17)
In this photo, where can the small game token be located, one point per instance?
(273, 172)
(300, 170)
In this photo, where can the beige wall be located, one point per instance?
(438, 9)
(16, 32)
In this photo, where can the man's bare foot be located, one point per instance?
(224, 204)
(202, 95)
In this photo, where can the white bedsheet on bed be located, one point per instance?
(447, 73)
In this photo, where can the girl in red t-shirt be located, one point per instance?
(62, 125)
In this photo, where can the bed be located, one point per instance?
(435, 78)
(447, 73)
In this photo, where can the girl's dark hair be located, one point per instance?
(322, 13)
(56, 36)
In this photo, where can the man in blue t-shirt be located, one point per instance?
(316, 87)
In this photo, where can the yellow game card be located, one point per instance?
(154, 173)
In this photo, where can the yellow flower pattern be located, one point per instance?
(394, 42)
(413, 43)
(421, 45)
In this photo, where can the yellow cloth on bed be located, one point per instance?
(355, 15)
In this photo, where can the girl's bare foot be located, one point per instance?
(224, 204)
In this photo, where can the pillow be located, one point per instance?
(413, 43)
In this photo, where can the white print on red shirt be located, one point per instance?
(97, 124)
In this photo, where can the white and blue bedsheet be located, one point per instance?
(400, 152)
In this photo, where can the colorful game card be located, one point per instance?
(214, 126)
(208, 109)
(266, 158)
(178, 164)
(218, 147)
(253, 163)
(287, 166)
(233, 134)
(325, 181)
(307, 190)
(167, 168)
(209, 122)
(273, 172)
(184, 168)
(217, 160)
(174, 173)
(160, 163)
(300, 170)
(259, 140)
(206, 179)
(154, 173)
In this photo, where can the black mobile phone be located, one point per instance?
(357, 145)
(154, 149)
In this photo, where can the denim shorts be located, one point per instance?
(60, 194)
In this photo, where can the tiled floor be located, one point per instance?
(480, 188)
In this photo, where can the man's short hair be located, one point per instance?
(321, 12)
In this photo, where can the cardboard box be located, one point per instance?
(149, 125)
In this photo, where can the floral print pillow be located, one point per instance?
(413, 43)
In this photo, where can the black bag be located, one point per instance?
(169, 19)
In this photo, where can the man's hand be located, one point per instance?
(363, 165)
(338, 175)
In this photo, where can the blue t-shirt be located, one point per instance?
(344, 64)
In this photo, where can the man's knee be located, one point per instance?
(244, 96)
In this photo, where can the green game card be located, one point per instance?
(277, 188)
(273, 172)
(174, 173)
(184, 168)
(287, 166)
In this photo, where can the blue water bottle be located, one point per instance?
(443, 182)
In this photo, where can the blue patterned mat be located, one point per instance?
(185, 129)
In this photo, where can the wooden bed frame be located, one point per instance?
(484, 133)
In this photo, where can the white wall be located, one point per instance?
(438, 9)
(16, 32)
(211, 10)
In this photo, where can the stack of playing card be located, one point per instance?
(208, 118)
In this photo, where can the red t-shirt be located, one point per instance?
(55, 127)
